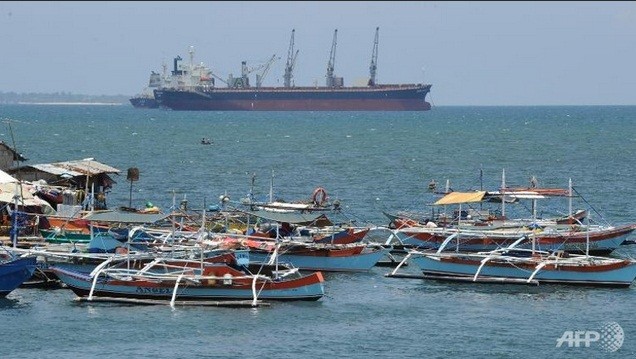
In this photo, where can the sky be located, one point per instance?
(473, 53)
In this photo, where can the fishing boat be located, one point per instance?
(602, 239)
(274, 238)
(566, 233)
(522, 266)
(165, 279)
(14, 271)
(339, 236)
(317, 219)
(525, 266)
(357, 257)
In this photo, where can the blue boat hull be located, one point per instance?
(356, 263)
(14, 273)
(81, 284)
(621, 276)
(601, 245)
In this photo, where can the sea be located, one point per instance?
(371, 162)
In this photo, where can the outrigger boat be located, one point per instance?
(164, 280)
(549, 235)
(279, 242)
(603, 239)
(357, 257)
(522, 266)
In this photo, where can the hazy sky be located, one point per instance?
(473, 53)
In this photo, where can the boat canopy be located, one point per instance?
(555, 192)
(461, 197)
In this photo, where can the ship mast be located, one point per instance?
(191, 70)
(374, 59)
(291, 61)
(332, 61)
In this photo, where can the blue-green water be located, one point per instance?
(369, 161)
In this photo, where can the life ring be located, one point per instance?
(319, 197)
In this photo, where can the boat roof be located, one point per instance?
(125, 217)
(531, 193)
(461, 197)
(514, 193)
(558, 192)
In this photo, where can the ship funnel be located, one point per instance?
(176, 71)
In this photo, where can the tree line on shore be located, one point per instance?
(33, 97)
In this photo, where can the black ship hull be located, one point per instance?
(376, 98)
(144, 102)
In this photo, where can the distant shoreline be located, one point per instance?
(73, 103)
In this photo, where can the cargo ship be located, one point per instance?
(239, 95)
(146, 98)
(143, 100)
(182, 76)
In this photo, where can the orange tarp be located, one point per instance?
(461, 197)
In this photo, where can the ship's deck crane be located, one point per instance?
(260, 77)
(374, 59)
(331, 82)
(220, 79)
(244, 81)
(291, 62)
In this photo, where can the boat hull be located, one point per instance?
(14, 273)
(601, 242)
(381, 98)
(324, 261)
(307, 288)
(346, 236)
(619, 274)
(144, 102)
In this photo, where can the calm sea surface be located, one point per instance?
(370, 161)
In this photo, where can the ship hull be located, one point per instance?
(386, 98)
(144, 102)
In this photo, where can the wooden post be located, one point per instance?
(133, 175)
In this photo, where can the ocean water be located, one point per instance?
(370, 161)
